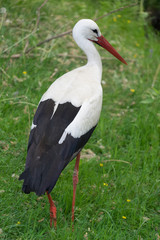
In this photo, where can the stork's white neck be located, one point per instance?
(89, 49)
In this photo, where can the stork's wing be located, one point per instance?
(49, 151)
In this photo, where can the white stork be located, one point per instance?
(66, 116)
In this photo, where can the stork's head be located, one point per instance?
(88, 29)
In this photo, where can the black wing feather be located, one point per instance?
(45, 157)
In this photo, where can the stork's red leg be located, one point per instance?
(52, 211)
(75, 181)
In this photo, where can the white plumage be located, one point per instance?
(83, 88)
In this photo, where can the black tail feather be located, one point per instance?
(42, 177)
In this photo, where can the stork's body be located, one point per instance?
(66, 117)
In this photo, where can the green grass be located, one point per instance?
(128, 131)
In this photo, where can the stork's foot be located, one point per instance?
(53, 211)
(53, 217)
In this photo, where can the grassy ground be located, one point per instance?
(118, 194)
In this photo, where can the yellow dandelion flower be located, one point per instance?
(119, 16)
(101, 164)
(114, 19)
(105, 184)
(132, 90)
(135, 55)
(18, 223)
(24, 72)
(137, 44)
(129, 21)
(123, 217)
(128, 200)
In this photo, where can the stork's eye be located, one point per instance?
(95, 31)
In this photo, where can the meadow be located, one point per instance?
(118, 195)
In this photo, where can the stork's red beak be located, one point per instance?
(106, 45)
